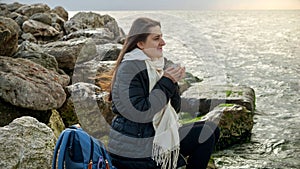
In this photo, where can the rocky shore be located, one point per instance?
(55, 72)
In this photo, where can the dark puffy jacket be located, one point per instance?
(131, 137)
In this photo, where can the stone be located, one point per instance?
(42, 17)
(92, 71)
(29, 85)
(90, 20)
(108, 51)
(4, 10)
(56, 19)
(21, 19)
(61, 12)
(84, 20)
(26, 143)
(235, 123)
(200, 98)
(99, 35)
(14, 6)
(9, 31)
(56, 123)
(34, 52)
(67, 113)
(39, 29)
(72, 52)
(29, 10)
(92, 110)
(28, 37)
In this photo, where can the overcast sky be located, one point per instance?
(75, 5)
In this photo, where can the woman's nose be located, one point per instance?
(162, 42)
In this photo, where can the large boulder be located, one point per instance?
(14, 6)
(9, 30)
(42, 17)
(92, 109)
(69, 53)
(29, 85)
(26, 143)
(61, 12)
(4, 10)
(230, 107)
(90, 20)
(108, 51)
(99, 35)
(40, 30)
(34, 52)
(235, 123)
(203, 98)
(90, 71)
(29, 10)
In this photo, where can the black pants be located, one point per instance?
(197, 143)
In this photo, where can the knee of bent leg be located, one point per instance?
(208, 133)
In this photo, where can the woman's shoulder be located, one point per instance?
(133, 66)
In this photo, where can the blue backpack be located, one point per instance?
(78, 150)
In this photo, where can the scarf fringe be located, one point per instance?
(166, 158)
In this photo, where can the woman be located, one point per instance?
(145, 133)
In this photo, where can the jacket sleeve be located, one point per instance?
(176, 99)
(131, 96)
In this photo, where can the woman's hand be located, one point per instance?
(175, 73)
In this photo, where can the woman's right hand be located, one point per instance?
(175, 73)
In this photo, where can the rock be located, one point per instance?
(56, 123)
(34, 52)
(29, 85)
(69, 53)
(84, 20)
(28, 37)
(26, 143)
(90, 20)
(108, 51)
(203, 99)
(92, 110)
(40, 30)
(104, 75)
(42, 17)
(235, 123)
(56, 19)
(8, 36)
(92, 71)
(13, 15)
(4, 10)
(112, 25)
(14, 6)
(99, 35)
(61, 12)
(21, 19)
(9, 112)
(67, 113)
(29, 10)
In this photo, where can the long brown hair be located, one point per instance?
(139, 31)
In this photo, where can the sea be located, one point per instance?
(255, 48)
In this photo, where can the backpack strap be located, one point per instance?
(105, 155)
(61, 145)
(90, 165)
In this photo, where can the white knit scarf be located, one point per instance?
(166, 143)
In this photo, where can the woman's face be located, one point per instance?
(152, 47)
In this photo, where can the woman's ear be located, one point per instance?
(140, 44)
